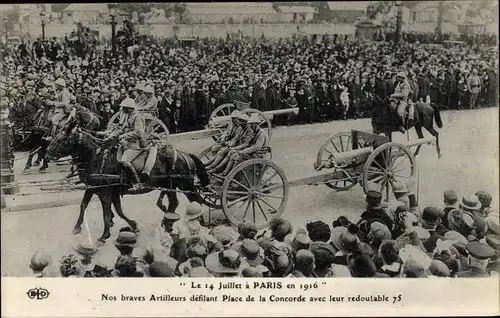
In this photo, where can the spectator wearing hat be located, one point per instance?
(450, 200)
(247, 230)
(163, 245)
(227, 263)
(318, 231)
(304, 265)
(389, 253)
(223, 232)
(462, 222)
(40, 261)
(300, 242)
(88, 255)
(375, 211)
(143, 258)
(494, 263)
(413, 269)
(324, 256)
(188, 265)
(479, 256)
(159, 269)
(126, 242)
(361, 265)
(345, 241)
(485, 199)
(71, 266)
(251, 252)
(430, 219)
(280, 228)
(126, 267)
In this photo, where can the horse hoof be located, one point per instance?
(42, 169)
(440, 155)
(36, 164)
(77, 230)
(100, 242)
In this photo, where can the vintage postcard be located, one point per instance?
(269, 158)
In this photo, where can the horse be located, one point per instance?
(31, 115)
(99, 169)
(385, 120)
(35, 116)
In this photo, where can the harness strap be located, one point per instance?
(187, 161)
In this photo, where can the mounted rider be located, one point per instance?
(61, 105)
(131, 139)
(257, 140)
(400, 99)
(227, 139)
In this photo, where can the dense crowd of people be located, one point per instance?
(326, 77)
(458, 238)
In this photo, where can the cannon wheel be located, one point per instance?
(337, 143)
(265, 122)
(222, 110)
(153, 124)
(257, 191)
(387, 164)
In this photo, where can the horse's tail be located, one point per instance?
(200, 170)
(437, 115)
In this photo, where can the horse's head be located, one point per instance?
(65, 142)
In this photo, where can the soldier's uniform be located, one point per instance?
(229, 137)
(131, 139)
(478, 252)
(258, 142)
(61, 105)
(149, 104)
(401, 93)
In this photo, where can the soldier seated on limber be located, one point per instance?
(226, 140)
(131, 139)
(243, 136)
(248, 150)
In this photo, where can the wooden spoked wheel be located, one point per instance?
(153, 125)
(257, 191)
(335, 144)
(221, 111)
(265, 122)
(390, 163)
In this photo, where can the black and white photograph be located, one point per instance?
(256, 140)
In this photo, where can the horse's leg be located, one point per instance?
(420, 134)
(28, 162)
(434, 133)
(106, 200)
(117, 203)
(41, 154)
(159, 202)
(173, 202)
(87, 195)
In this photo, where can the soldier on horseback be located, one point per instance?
(131, 139)
(400, 100)
(61, 105)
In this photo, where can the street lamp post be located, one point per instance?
(399, 21)
(5, 22)
(42, 19)
(113, 33)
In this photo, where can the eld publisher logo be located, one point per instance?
(38, 293)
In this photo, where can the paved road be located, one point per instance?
(470, 162)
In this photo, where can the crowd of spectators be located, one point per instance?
(458, 238)
(191, 80)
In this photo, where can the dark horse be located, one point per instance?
(100, 171)
(33, 115)
(385, 120)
